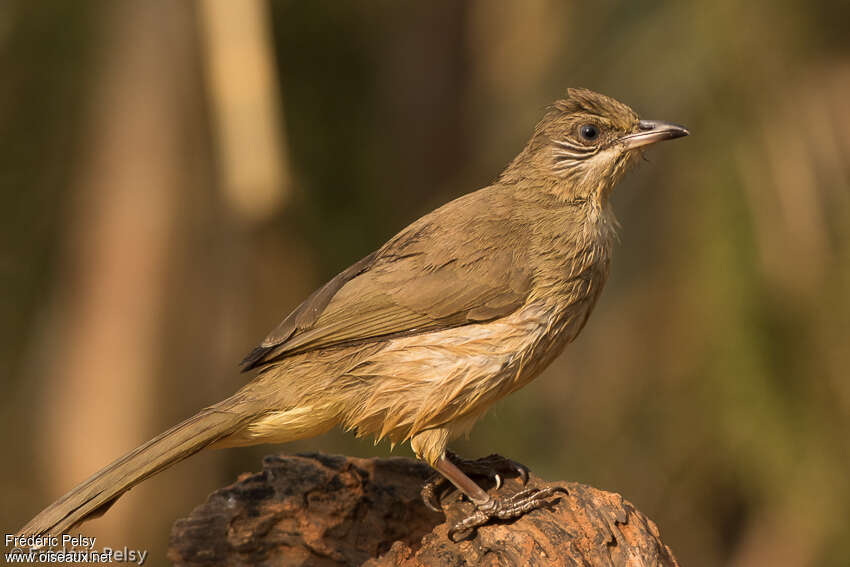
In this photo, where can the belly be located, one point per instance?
(452, 376)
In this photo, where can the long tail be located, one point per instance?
(94, 496)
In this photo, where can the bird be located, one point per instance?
(414, 342)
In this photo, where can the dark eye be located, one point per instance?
(588, 132)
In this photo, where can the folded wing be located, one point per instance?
(450, 268)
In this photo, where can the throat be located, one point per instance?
(576, 266)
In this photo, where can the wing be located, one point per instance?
(452, 267)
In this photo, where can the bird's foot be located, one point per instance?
(493, 467)
(505, 509)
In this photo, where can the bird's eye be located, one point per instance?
(588, 132)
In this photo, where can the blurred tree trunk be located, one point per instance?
(104, 350)
(244, 92)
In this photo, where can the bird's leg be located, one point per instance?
(493, 467)
(486, 507)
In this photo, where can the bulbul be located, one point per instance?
(418, 339)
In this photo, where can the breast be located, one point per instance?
(420, 382)
(572, 274)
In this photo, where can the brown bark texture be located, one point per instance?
(320, 510)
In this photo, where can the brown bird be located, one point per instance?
(418, 339)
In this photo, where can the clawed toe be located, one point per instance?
(432, 492)
(505, 509)
(494, 467)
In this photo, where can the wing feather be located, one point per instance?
(452, 267)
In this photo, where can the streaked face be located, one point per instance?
(593, 139)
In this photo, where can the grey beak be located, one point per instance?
(652, 131)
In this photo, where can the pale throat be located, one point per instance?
(593, 179)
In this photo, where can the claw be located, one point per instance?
(430, 495)
(522, 471)
(490, 466)
(505, 509)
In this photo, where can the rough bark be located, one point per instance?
(319, 510)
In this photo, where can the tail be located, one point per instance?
(94, 496)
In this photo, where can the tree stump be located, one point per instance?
(320, 510)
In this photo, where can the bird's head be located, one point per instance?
(585, 143)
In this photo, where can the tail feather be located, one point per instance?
(96, 494)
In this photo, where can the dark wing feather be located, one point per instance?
(454, 266)
(305, 315)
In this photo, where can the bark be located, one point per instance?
(320, 510)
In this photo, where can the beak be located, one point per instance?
(651, 131)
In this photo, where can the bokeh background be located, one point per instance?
(176, 176)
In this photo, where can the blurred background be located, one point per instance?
(175, 177)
